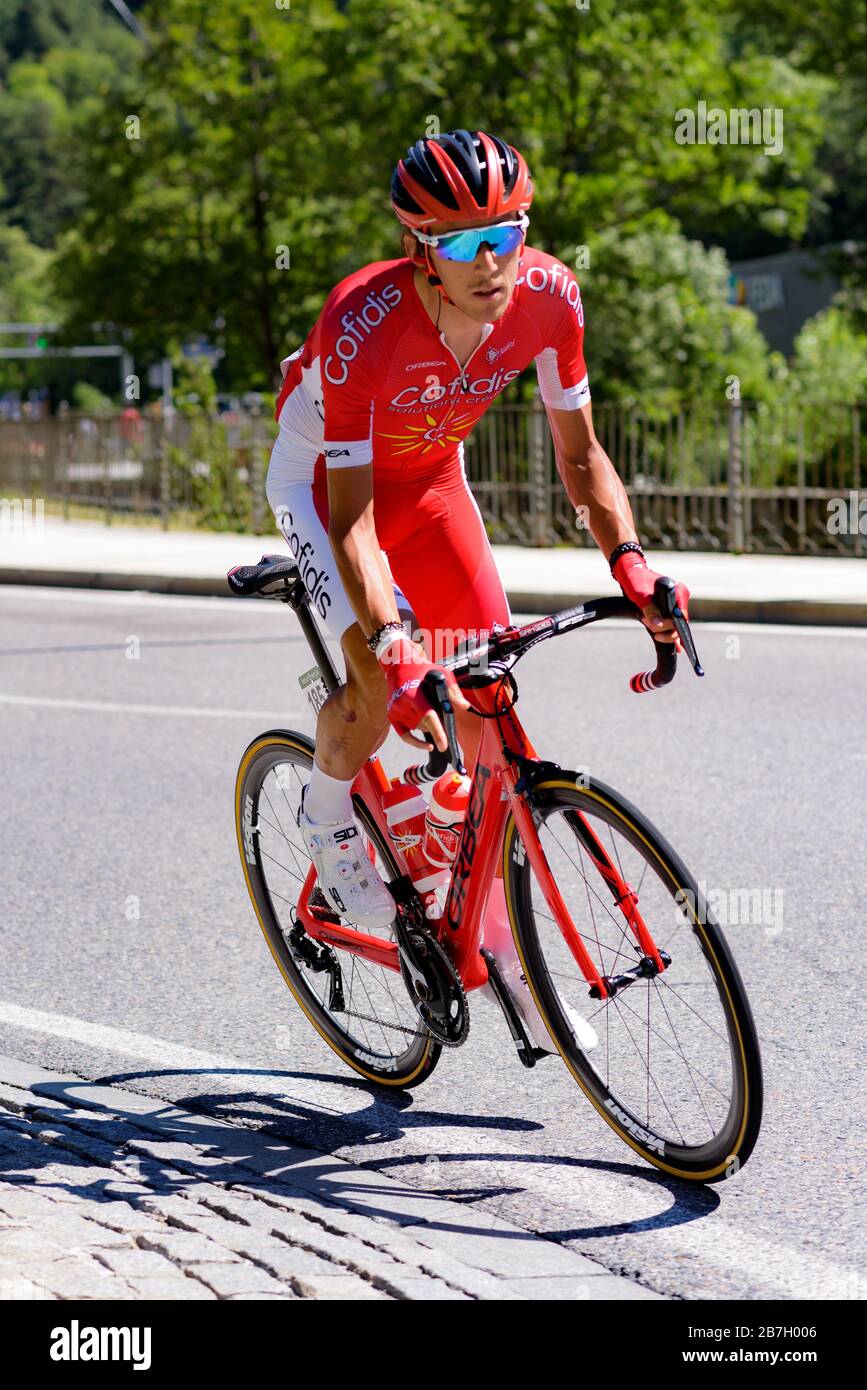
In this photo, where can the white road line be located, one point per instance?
(174, 711)
(780, 1269)
(138, 597)
(156, 1052)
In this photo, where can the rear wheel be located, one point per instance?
(374, 1028)
(676, 1071)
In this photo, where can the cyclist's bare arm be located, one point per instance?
(591, 481)
(590, 478)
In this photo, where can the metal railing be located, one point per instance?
(741, 476)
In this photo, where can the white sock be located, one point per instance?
(327, 798)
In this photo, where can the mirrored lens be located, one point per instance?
(464, 246)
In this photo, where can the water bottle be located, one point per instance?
(450, 796)
(405, 812)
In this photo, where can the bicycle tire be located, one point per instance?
(724, 1153)
(407, 1069)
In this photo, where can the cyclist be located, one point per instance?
(367, 478)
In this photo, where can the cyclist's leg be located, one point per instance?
(349, 728)
(352, 723)
(447, 570)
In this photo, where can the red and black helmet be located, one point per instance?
(462, 176)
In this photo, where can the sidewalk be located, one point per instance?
(109, 1194)
(734, 588)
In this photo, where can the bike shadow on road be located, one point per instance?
(277, 1146)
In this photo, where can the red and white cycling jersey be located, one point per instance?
(376, 382)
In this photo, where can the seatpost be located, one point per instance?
(300, 601)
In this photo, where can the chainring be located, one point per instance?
(445, 1011)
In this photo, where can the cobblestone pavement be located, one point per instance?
(107, 1194)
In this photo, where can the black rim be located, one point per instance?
(674, 1015)
(364, 985)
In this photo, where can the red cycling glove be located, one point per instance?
(637, 582)
(404, 672)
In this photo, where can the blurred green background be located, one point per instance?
(276, 123)
(184, 181)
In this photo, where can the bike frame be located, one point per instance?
(498, 787)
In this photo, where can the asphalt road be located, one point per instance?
(130, 951)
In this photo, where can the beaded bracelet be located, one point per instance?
(376, 636)
(624, 550)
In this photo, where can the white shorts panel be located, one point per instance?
(292, 505)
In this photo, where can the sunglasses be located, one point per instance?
(502, 237)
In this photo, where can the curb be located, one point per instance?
(834, 613)
(191, 585)
(176, 1183)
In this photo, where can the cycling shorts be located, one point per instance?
(432, 534)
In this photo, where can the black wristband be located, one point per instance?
(374, 638)
(624, 550)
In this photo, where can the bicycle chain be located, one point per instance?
(398, 1027)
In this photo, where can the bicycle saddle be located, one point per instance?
(252, 579)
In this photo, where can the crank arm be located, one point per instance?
(527, 1053)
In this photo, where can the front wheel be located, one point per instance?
(676, 1069)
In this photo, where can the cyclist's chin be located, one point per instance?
(486, 308)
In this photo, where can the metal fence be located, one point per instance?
(740, 477)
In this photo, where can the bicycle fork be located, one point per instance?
(653, 961)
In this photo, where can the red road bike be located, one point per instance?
(605, 917)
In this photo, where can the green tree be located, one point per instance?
(185, 220)
(830, 360)
(659, 325)
(28, 28)
(264, 129)
(24, 268)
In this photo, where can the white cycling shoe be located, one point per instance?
(349, 881)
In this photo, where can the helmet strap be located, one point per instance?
(433, 279)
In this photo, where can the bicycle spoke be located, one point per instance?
(295, 849)
(620, 924)
(698, 1093)
(376, 1010)
(622, 1002)
(618, 1004)
(665, 1053)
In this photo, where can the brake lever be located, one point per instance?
(437, 691)
(665, 598)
